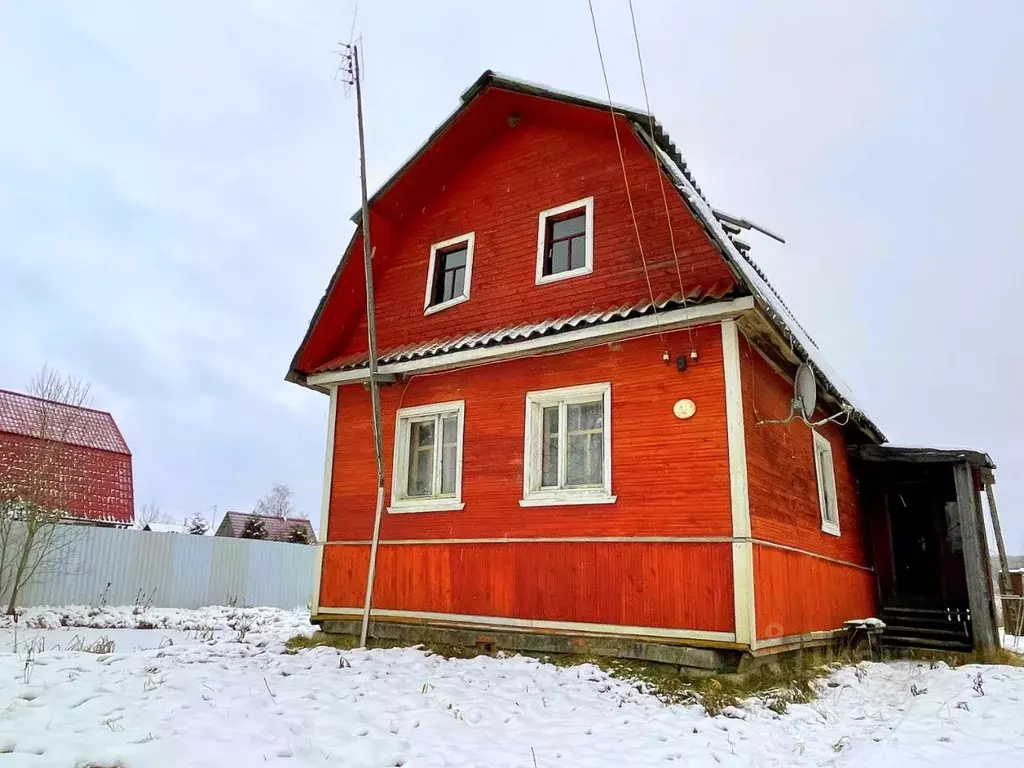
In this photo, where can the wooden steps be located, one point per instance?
(941, 629)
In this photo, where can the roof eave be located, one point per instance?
(731, 257)
(294, 375)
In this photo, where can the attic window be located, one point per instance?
(449, 273)
(565, 241)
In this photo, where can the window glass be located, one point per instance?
(585, 443)
(549, 450)
(567, 227)
(578, 253)
(450, 275)
(566, 244)
(421, 458)
(449, 452)
(827, 489)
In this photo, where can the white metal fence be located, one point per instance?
(172, 570)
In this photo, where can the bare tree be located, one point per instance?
(150, 513)
(277, 503)
(36, 483)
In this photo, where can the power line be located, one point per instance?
(661, 175)
(622, 162)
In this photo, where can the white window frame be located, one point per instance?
(400, 501)
(470, 240)
(533, 494)
(587, 204)
(825, 473)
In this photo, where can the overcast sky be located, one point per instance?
(176, 180)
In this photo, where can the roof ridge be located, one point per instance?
(56, 402)
(265, 517)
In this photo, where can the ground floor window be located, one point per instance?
(567, 447)
(826, 484)
(427, 473)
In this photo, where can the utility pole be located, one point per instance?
(350, 65)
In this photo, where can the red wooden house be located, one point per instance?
(582, 357)
(72, 457)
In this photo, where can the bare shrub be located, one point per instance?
(35, 488)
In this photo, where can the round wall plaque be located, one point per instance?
(684, 409)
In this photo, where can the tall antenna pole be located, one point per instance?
(351, 64)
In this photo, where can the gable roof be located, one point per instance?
(278, 528)
(25, 415)
(717, 226)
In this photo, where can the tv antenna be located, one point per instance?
(349, 71)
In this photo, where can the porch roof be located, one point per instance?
(920, 455)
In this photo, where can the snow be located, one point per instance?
(218, 618)
(871, 623)
(224, 697)
(159, 527)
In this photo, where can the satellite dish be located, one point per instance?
(805, 389)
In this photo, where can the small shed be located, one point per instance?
(73, 457)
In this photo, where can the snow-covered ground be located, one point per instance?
(213, 688)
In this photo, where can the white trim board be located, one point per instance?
(569, 341)
(552, 540)
(742, 549)
(511, 623)
(325, 502)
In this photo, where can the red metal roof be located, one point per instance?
(26, 415)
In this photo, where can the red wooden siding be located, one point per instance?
(94, 485)
(671, 478)
(795, 594)
(798, 589)
(492, 179)
(640, 585)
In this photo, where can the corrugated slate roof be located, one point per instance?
(523, 331)
(33, 417)
(278, 528)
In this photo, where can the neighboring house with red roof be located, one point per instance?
(278, 528)
(92, 473)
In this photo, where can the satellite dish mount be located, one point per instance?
(805, 401)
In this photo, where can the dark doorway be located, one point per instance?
(916, 544)
(933, 584)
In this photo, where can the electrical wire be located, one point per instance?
(661, 175)
(622, 162)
